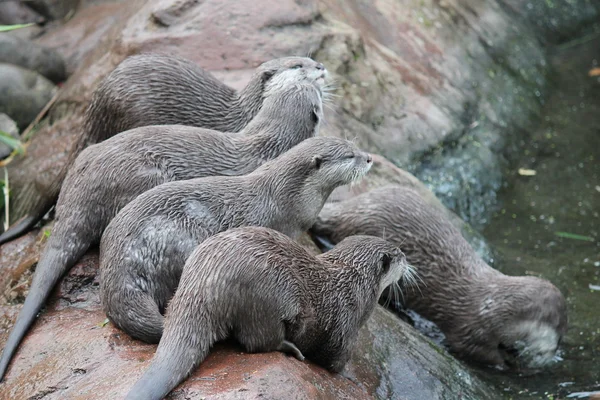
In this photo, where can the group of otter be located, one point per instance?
(195, 194)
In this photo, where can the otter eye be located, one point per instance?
(385, 263)
(349, 156)
(267, 75)
(297, 66)
(317, 161)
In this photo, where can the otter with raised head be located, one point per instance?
(159, 89)
(267, 291)
(108, 175)
(144, 248)
(485, 315)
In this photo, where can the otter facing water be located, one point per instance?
(159, 89)
(485, 315)
(268, 292)
(144, 248)
(108, 175)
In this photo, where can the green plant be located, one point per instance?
(6, 28)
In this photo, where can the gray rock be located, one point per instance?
(53, 9)
(557, 20)
(15, 12)
(409, 366)
(23, 93)
(7, 125)
(26, 54)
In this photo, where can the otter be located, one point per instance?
(108, 175)
(267, 291)
(486, 316)
(144, 248)
(160, 89)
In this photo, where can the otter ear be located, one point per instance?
(316, 161)
(315, 115)
(385, 263)
(266, 75)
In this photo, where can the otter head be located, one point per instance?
(334, 162)
(294, 69)
(376, 261)
(532, 330)
(518, 321)
(290, 105)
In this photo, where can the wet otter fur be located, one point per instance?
(485, 315)
(144, 248)
(108, 175)
(161, 89)
(268, 292)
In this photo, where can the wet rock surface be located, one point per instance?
(557, 20)
(432, 86)
(72, 352)
(16, 12)
(54, 9)
(29, 55)
(23, 93)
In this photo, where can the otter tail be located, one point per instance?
(55, 262)
(92, 134)
(138, 315)
(27, 222)
(178, 354)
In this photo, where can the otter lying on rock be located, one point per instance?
(268, 292)
(485, 315)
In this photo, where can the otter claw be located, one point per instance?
(289, 347)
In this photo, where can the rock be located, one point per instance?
(439, 88)
(557, 20)
(80, 36)
(71, 352)
(7, 125)
(392, 361)
(23, 93)
(383, 173)
(29, 55)
(16, 12)
(53, 9)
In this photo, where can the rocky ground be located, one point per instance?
(443, 88)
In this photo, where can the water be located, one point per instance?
(562, 198)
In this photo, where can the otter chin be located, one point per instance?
(486, 316)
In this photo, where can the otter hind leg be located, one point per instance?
(289, 347)
(136, 313)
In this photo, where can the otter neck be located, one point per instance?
(295, 201)
(247, 103)
(352, 284)
(271, 134)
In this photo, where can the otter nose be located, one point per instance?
(320, 66)
(369, 159)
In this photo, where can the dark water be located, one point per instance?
(563, 196)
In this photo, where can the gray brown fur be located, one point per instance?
(485, 315)
(268, 292)
(158, 89)
(144, 248)
(108, 175)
